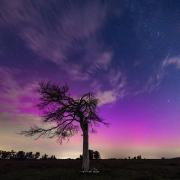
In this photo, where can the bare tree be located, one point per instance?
(67, 114)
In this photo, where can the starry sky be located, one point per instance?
(125, 51)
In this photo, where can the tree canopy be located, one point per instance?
(63, 112)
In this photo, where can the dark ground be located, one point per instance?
(69, 169)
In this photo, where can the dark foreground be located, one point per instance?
(69, 169)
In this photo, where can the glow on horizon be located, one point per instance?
(117, 141)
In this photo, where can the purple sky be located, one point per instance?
(125, 51)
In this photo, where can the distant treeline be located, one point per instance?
(92, 155)
(21, 155)
(135, 157)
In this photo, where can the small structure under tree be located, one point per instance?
(67, 114)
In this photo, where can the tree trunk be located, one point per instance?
(85, 163)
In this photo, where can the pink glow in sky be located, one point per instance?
(126, 52)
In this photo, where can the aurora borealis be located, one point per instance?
(125, 51)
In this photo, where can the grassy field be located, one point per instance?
(70, 169)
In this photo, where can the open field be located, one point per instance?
(69, 169)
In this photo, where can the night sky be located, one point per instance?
(127, 52)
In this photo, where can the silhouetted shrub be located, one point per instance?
(139, 157)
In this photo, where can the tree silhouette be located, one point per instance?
(29, 155)
(36, 155)
(20, 155)
(12, 154)
(52, 157)
(68, 115)
(97, 155)
(5, 155)
(91, 155)
(44, 157)
(139, 157)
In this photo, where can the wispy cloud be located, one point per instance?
(156, 78)
(69, 37)
(116, 82)
(172, 61)
(153, 81)
(106, 97)
(15, 98)
(62, 32)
